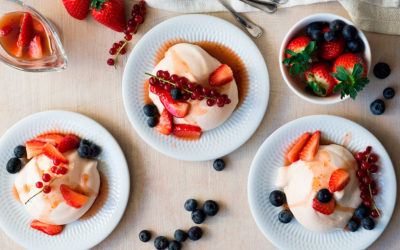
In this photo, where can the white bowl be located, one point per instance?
(293, 82)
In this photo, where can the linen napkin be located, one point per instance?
(382, 16)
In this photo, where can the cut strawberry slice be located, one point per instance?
(175, 108)
(338, 181)
(73, 198)
(52, 138)
(50, 151)
(68, 143)
(35, 48)
(34, 148)
(222, 75)
(46, 228)
(6, 30)
(327, 208)
(311, 148)
(187, 131)
(164, 126)
(293, 153)
(26, 31)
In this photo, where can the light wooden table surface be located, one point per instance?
(160, 185)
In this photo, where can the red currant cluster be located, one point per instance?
(182, 88)
(367, 167)
(137, 17)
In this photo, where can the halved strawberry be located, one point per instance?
(324, 208)
(187, 131)
(35, 50)
(175, 108)
(26, 31)
(73, 198)
(68, 143)
(53, 138)
(293, 152)
(338, 181)
(50, 151)
(46, 228)
(5, 30)
(222, 75)
(164, 125)
(311, 148)
(34, 148)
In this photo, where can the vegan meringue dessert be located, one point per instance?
(191, 91)
(319, 185)
(60, 181)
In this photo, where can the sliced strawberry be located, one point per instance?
(26, 31)
(68, 143)
(52, 138)
(187, 131)
(165, 123)
(222, 75)
(34, 148)
(293, 153)
(46, 228)
(35, 48)
(311, 148)
(73, 198)
(324, 208)
(175, 108)
(5, 30)
(50, 151)
(338, 181)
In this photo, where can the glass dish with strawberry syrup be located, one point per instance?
(28, 41)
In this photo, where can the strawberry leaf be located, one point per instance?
(349, 84)
(300, 62)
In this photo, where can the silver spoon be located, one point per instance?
(251, 27)
(269, 7)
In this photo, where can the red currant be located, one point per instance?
(139, 19)
(364, 165)
(210, 102)
(112, 51)
(360, 173)
(128, 37)
(368, 150)
(58, 171)
(153, 81)
(364, 188)
(227, 101)
(167, 87)
(159, 73)
(186, 96)
(373, 158)
(116, 45)
(220, 100)
(131, 22)
(367, 179)
(375, 213)
(123, 51)
(364, 195)
(191, 85)
(213, 93)
(47, 189)
(165, 75)
(205, 91)
(360, 156)
(200, 98)
(63, 170)
(46, 177)
(183, 80)
(374, 191)
(121, 43)
(110, 62)
(373, 168)
(174, 78)
(136, 7)
(56, 162)
(39, 184)
(195, 95)
(373, 184)
(367, 202)
(143, 13)
(178, 84)
(142, 2)
(130, 28)
(54, 169)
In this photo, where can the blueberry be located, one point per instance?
(14, 165)
(150, 110)
(330, 36)
(198, 216)
(285, 216)
(84, 142)
(190, 205)
(277, 198)
(381, 70)
(336, 25)
(174, 245)
(324, 196)
(144, 235)
(355, 46)
(195, 233)
(84, 151)
(210, 208)
(95, 150)
(161, 242)
(313, 26)
(388, 93)
(362, 211)
(152, 122)
(353, 226)
(180, 235)
(317, 35)
(219, 164)
(20, 151)
(377, 107)
(176, 94)
(350, 32)
(368, 223)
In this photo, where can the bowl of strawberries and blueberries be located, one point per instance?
(325, 59)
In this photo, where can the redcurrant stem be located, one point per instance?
(123, 45)
(174, 84)
(40, 190)
(370, 191)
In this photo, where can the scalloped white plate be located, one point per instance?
(270, 157)
(243, 122)
(14, 219)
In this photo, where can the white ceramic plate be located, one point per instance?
(243, 122)
(14, 219)
(270, 157)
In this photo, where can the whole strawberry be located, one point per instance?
(331, 50)
(319, 80)
(77, 8)
(109, 13)
(299, 55)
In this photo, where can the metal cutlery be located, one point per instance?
(269, 7)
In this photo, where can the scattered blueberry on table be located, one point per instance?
(180, 235)
(219, 164)
(198, 216)
(195, 233)
(377, 107)
(210, 208)
(190, 205)
(161, 242)
(381, 70)
(174, 245)
(144, 235)
(388, 93)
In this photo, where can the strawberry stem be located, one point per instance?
(40, 191)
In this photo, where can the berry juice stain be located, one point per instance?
(100, 200)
